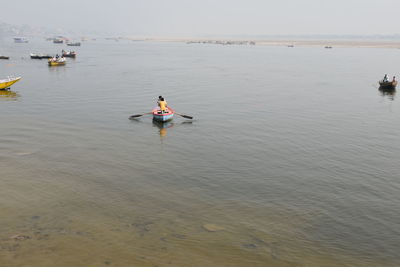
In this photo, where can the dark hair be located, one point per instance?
(162, 98)
(159, 97)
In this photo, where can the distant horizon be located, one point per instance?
(177, 18)
(67, 32)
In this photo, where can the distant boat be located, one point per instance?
(158, 115)
(39, 56)
(6, 83)
(290, 46)
(58, 41)
(387, 84)
(328, 47)
(57, 61)
(68, 54)
(20, 40)
(74, 44)
(4, 57)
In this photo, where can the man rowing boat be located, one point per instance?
(162, 104)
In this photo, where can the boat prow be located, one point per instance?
(165, 116)
(6, 83)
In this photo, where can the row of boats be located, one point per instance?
(71, 54)
(58, 40)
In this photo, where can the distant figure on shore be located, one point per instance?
(162, 104)
(385, 78)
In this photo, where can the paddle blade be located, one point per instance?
(186, 116)
(136, 116)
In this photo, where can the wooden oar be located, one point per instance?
(185, 116)
(139, 115)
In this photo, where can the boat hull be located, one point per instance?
(56, 63)
(4, 57)
(20, 40)
(388, 85)
(72, 55)
(163, 117)
(40, 56)
(5, 84)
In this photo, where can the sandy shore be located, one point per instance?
(280, 42)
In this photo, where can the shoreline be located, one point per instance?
(279, 42)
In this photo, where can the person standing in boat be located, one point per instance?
(394, 79)
(162, 104)
(385, 78)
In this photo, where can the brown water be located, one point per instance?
(292, 157)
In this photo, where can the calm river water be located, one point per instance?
(292, 158)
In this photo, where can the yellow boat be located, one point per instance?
(57, 61)
(6, 83)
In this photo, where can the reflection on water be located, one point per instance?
(8, 95)
(60, 68)
(390, 93)
(163, 126)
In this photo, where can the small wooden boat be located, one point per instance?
(74, 44)
(57, 61)
(39, 56)
(387, 84)
(6, 83)
(160, 116)
(68, 54)
(20, 40)
(58, 41)
(4, 57)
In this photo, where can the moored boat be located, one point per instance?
(74, 44)
(6, 83)
(4, 57)
(388, 84)
(58, 40)
(20, 40)
(57, 61)
(160, 116)
(39, 56)
(68, 54)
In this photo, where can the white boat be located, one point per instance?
(6, 83)
(20, 40)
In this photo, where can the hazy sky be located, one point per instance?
(209, 17)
